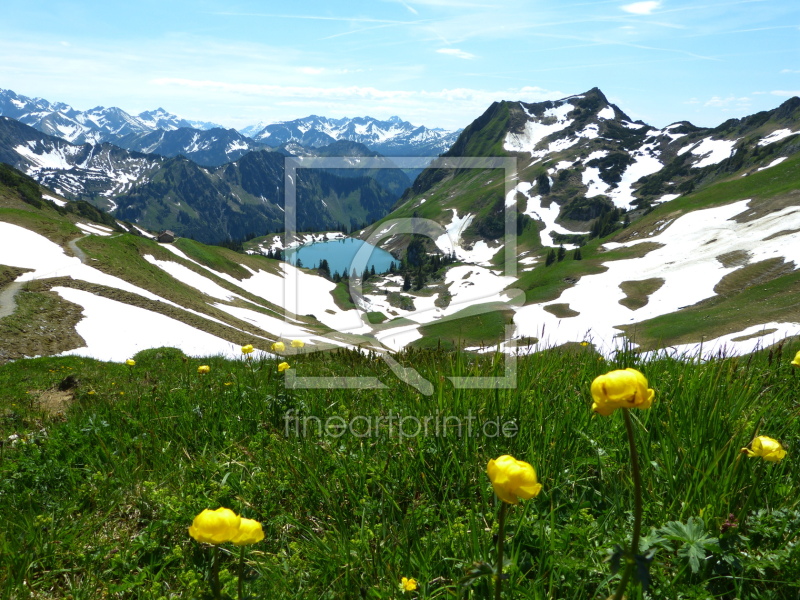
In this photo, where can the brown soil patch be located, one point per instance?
(753, 274)
(562, 311)
(780, 233)
(9, 274)
(54, 402)
(762, 208)
(761, 333)
(43, 324)
(637, 293)
(736, 258)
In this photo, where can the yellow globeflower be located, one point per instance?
(301, 343)
(513, 480)
(215, 526)
(283, 366)
(203, 369)
(130, 362)
(796, 361)
(247, 349)
(278, 347)
(408, 585)
(767, 448)
(620, 389)
(250, 532)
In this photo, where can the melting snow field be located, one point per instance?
(114, 331)
(710, 151)
(687, 262)
(547, 215)
(480, 253)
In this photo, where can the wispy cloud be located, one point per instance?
(641, 8)
(460, 105)
(790, 70)
(312, 17)
(720, 102)
(456, 52)
(410, 8)
(781, 93)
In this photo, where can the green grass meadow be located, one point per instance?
(99, 481)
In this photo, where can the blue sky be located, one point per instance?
(434, 62)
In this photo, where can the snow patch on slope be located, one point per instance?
(535, 131)
(687, 262)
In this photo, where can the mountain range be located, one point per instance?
(618, 232)
(209, 144)
(392, 137)
(235, 200)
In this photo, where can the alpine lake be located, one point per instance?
(343, 255)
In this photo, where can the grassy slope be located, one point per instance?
(98, 490)
(121, 255)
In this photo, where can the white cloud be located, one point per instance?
(783, 93)
(790, 70)
(456, 52)
(446, 107)
(641, 8)
(720, 102)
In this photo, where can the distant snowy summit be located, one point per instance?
(391, 137)
(95, 125)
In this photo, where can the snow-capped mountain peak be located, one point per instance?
(390, 137)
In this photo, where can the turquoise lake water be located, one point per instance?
(340, 255)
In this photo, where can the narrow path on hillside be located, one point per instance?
(73, 245)
(8, 303)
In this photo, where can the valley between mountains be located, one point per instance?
(604, 232)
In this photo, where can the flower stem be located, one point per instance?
(630, 560)
(501, 538)
(241, 570)
(215, 587)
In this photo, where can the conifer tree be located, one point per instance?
(551, 258)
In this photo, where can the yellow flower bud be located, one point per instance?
(513, 480)
(278, 347)
(298, 343)
(283, 366)
(250, 532)
(796, 361)
(767, 448)
(130, 362)
(620, 389)
(203, 369)
(247, 349)
(215, 526)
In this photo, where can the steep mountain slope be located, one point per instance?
(235, 200)
(393, 137)
(102, 290)
(94, 172)
(588, 178)
(581, 160)
(247, 197)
